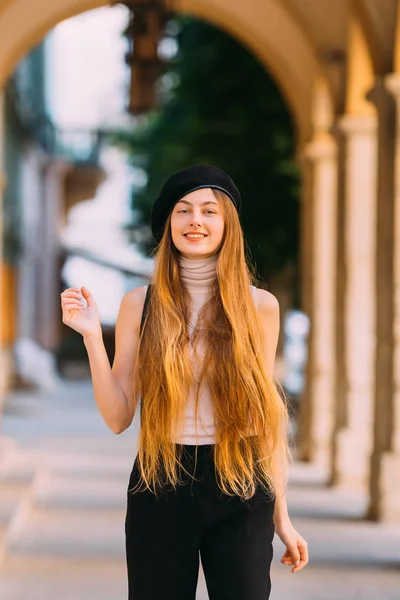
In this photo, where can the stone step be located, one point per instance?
(102, 463)
(62, 532)
(69, 578)
(19, 465)
(10, 495)
(46, 578)
(75, 513)
(107, 443)
(81, 490)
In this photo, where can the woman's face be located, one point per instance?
(197, 212)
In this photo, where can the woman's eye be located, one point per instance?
(209, 211)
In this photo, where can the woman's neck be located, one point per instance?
(198, 274)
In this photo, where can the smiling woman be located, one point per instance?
(198, 220)
(210, 472)
(198, 350)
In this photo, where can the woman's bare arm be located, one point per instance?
(296, 554)
(268, 310)
(111, 385)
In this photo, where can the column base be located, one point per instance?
(389, 509)
(7, 372)
(352, 463)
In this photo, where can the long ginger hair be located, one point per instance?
(233, 368)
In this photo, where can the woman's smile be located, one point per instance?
(195, 237)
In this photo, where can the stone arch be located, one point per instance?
(324, 24)
(270, 32)
(396, 50)
(266, 28)
(378, 20)
(360, 70)
(19, 34)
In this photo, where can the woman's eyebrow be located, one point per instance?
(202, 204)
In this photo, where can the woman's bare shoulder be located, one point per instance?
(132, 306)
(136, 296)
(266, 301)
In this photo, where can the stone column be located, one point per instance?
(353, 443)
(385, 460)
(341, 279)
(48, 304)
(6, 360)
(321, 152)
(303, 432)
(2, 185)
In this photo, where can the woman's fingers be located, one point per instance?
(72, 299)
(303, 553)
(71, 295)
(296, 555)
(70, 305)
(82, 294)
(72, 292)
(88, 296)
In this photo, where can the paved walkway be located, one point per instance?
(63, 479)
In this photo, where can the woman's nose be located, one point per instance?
(195, 220)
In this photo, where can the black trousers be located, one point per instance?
(166, 534)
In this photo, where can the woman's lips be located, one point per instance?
(195, 239)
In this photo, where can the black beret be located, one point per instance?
(186, 181)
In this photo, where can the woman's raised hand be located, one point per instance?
(84, 319)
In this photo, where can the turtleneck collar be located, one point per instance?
(198, 274)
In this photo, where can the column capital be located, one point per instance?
(392, 83)
(320, 148)
(357, 124)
